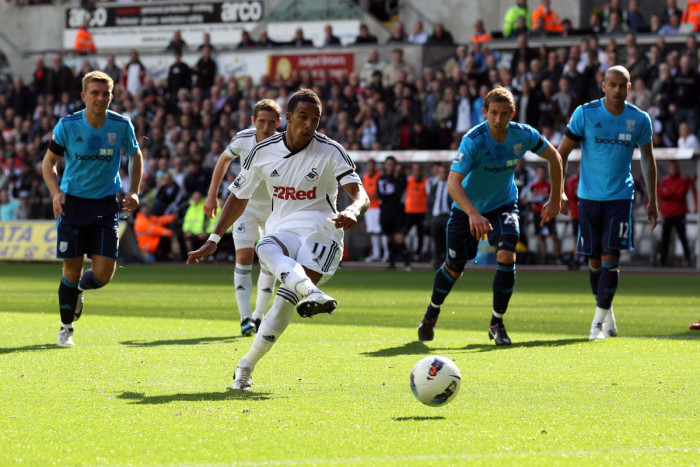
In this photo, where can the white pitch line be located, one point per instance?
(500, 455)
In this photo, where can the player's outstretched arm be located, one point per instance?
(232, 210)
(478, 224)
(649, 173)
(565, 147)
(552, 207)
(347, 218)
(130, 202)
(211, 204)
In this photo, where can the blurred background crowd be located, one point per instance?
(185, 120)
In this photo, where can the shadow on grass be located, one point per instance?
(541, 343)
(194, 341)
(6, 350)
(230, 394)
(417, 419)
(409, 348)
(419, 348)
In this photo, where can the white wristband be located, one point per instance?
(214, 238)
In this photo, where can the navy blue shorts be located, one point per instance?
(462, 246)
(604, 225)
(88, 226)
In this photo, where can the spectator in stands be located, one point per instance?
(418, 36)
(456, 61)
(246, 41)
(179, 77)
(205, 71)
(519, 11)
(539, 194)
(299, 40)
(445, 117)
(264, 42)
(398, 34)
(134, 74)
(364, 37)
(177, 43)
(206, 41)
(613, 7)
(655, 24)
(40, 77)
(194, 224)
(636, 64)
(686, 139)
(671, 28)
(480, 33)
(84, 45)
(691, 14)
(635, 19)
(551, 21)
(564, 102)
(21, 99)
(685, 96)
(538, 29)
(373, 64)
(112, 69)
(60, 78)
(640, 95)
(615, 24)
(440, 36)
(328, 37)
(463, 110)
(391, 72)
(669, 9)
(673, 193)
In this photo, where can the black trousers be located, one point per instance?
(677, 223)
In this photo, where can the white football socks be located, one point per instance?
(599, 317)
(243, 283)
(266, 286)
(275, 323)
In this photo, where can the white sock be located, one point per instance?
(610, 316)
(285, 269)
(266, 285)
(243, 282)
(67, 326)
(376, 245)
(385, 245)
(275, 322)
(599, 316)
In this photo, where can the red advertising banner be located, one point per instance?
(334, 64)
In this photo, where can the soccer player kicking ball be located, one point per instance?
(266, 119)
(609, 129)
(301, 170)
(485, 205)
(91, 142)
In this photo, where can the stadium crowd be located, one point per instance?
(184, 122)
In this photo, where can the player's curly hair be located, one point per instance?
(499, 94)
(268, 105)
(98, 77)
(303, 95)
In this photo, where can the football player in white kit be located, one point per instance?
(301, 170)
(266, 119)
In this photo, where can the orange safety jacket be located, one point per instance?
(552, 23)
(691, 14)
(83, 43)
(416, 196)
(370, 184)
(149, 231)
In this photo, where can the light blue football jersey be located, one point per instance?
(489, 166)
(607, 143)
(93, 155)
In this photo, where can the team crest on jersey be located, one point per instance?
(630, 125)
(62, 246)
(313, 175)
(111, 138)
(517, 148)
(239, 181)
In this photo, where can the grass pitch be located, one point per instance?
(148, 381)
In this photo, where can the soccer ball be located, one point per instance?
(435, 380)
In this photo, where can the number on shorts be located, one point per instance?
(624, 229)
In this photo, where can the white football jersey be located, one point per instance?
(240, 146)
(303, 185)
